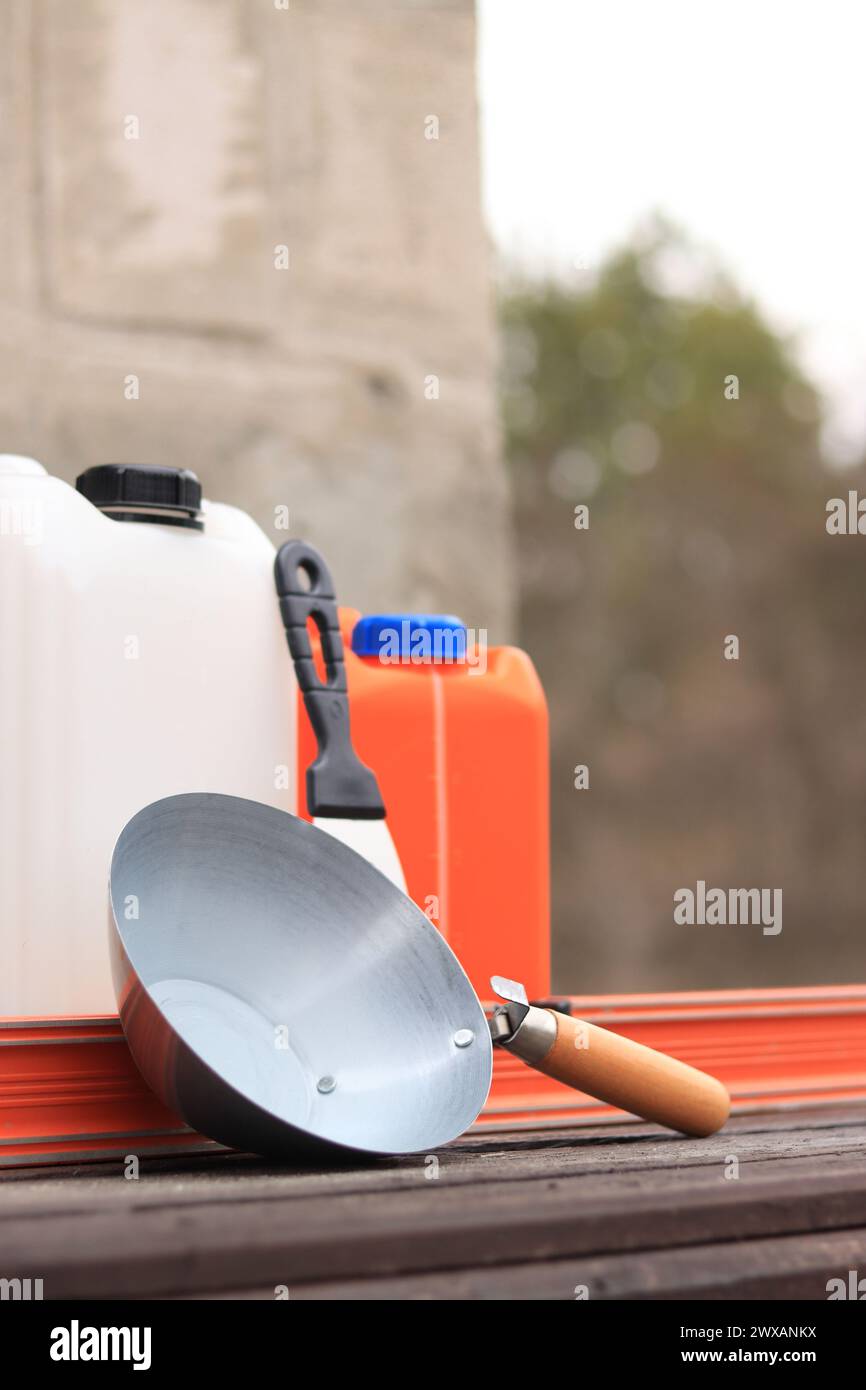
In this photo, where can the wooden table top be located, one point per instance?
(772, 1207)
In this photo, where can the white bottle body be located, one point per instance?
(139, 660)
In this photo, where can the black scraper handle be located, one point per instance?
(338, 783)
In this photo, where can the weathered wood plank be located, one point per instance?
(789, 1267)
(510, 1215)
(216, 1244)
(192, 1180)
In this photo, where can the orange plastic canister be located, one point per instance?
(460, 748)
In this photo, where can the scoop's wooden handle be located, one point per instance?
(633, 1077)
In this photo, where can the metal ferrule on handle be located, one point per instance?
(531, 1040)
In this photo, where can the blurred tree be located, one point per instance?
(657, 396)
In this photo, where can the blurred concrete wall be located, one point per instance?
(155, 158)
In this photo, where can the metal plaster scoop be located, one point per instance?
(280, 994)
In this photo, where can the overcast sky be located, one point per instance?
(744, 122)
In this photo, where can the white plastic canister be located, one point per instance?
(141, 657)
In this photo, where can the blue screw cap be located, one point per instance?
(411, 638)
